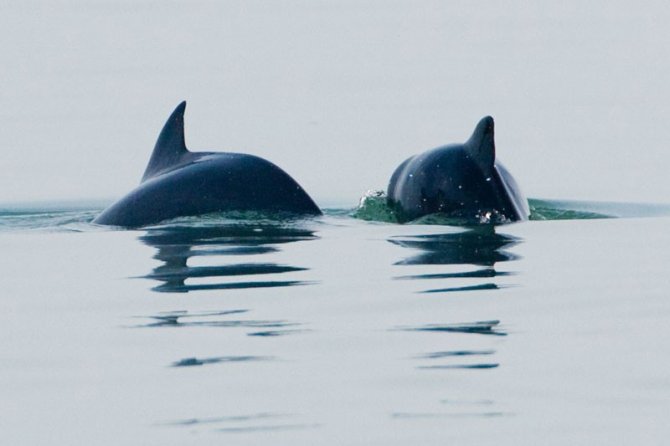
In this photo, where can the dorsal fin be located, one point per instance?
(481, 146)
(170, 147)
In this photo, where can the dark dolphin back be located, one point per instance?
(444, 180)
(181, 183)
(227, 182)
(463, 181)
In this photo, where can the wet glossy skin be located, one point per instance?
(460, 180)
(180, 183)
(225, 182)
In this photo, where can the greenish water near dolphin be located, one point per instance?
(372, 207)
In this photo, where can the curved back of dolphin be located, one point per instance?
(464, 181)
(178, 183)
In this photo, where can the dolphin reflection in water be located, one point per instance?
(465, 255)
(177, 244)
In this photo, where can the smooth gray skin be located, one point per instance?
(464, 181)
(180, 183)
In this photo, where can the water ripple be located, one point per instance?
(177, 244)
(479, 327)
(182, 318)
(190, 362)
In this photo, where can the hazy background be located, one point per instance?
(337, 93)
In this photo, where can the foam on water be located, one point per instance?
(373, 207)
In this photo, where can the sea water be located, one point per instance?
(336, 330)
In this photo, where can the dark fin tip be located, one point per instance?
(484, 126)
(481, 145)
(170, 146)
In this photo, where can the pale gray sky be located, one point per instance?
(337, 93)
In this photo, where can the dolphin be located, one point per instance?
(463, 181)
(180, 183)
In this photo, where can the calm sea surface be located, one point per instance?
(335, 331)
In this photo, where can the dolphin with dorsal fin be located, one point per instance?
(463, 181)
(180, 183)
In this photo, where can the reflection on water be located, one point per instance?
(216, 319)
(483, 286)
(248, 423)
(459, 366)
(457, 353)
(177, 244)
(228, 419)
(480, 327)
(189, 362)
(465, 257)
(436, 355)
(480, 246)
(228, 251)
(243, 255)
(272, 333)
(480, 273)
